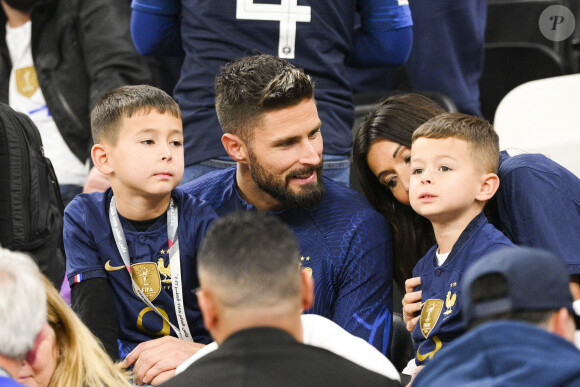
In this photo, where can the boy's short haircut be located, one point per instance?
(477, 132)
(253, 85)
(124, 102)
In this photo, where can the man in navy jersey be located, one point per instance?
(267, 110)
(318, 36)
(552, 226)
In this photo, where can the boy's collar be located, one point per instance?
(475, 224)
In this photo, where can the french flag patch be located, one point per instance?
(78, 278)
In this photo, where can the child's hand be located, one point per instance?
(156, 360)
(411, 303)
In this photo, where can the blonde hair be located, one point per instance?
(477, 132)
(82, 361)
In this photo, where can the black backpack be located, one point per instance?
(31, 208)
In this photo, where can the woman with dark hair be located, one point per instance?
(381, 157)
(385, 134)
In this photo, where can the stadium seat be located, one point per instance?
(508, 65)
(516, 21)
(542, 116)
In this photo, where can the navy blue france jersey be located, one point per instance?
(316, 35)
(538, 202)
(345, 245)
(441, 320)
(92, 253)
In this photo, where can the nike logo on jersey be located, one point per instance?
(108, 266)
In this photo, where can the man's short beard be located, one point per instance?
(311, 193)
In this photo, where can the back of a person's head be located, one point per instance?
(519, 284)
(477, 132)
(250, 260)
(124, 102)
(22, 304)
(253, 85)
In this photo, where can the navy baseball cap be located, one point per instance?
(536, 279)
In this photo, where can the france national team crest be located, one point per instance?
(430, 315)
(146, 276)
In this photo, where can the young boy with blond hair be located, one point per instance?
(454, 161)
(131, 250)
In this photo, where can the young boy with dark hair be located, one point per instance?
(131, 250)
(454, 161)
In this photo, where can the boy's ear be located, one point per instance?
(236, 147)
(101, 159)
(488, 187)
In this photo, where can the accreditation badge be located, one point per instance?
(146, 276)
(26, 81)
(429, 315)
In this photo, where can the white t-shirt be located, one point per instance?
(25, 96)
(324, 333)
(441, 258)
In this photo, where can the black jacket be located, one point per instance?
(81, 49)
(272, 357)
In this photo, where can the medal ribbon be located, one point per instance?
(174, 261)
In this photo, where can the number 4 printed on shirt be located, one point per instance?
(288, 13)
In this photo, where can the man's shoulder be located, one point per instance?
(535, 163)
(192, 206)
(284, 356)
(344, 206)
(213, 187)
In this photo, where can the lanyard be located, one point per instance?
(174, 262)
(4, 373)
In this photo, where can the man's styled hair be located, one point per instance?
(477, 132)
(22, 304)
(494, 286)
(252, 259)
(253, 85)
(124, 102)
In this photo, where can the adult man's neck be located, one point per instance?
(15, 17)
(254, 194)
(259, 318)
(142, 208)
(12, 367)
(448, 231)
